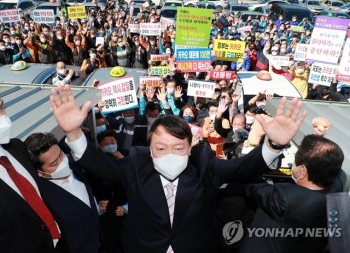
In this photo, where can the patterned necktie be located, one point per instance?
(31, 196)
(171, 205)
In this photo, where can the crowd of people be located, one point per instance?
(150, 184)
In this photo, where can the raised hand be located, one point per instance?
(150, 93)
(162, 95)
(178, 92)
(67, 113)
(284, 126)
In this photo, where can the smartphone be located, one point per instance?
(219, 150)
(238, 90)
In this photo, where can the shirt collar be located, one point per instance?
(60, 182)
(165, 181)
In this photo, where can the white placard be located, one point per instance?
(43, 16)
(200, 88)
(280, 60)
(119, 95)
(244, 29)
(150, 29)
(166, 21)
(300, 52)
(134, 28)
(100, 41)
(322, 73)
(9, 16)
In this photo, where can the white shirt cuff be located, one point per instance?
(78, 147)
(270, 157)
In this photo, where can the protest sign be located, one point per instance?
(344, 66)
(229, 50)
(43, 16)
(222, 75)
(200, 88)
(300, 52)
(166, 21)
(244, 29)
(119, 95)
(100, 41)
(145, 4)
(193, 26)
(196, 129)
(150, 29)
(75, 12)
(159, 57)
(9, 16)
(151, 81)
(280, 60)
(134, 28)
(327, 39)
(222, 23)
(160, 71)
(296, 28)
(193, 60)
(322, 73)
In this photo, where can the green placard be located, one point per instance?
(193, 26)
(296, 28)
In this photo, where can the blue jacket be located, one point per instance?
(262, 25)
(245, 64)
(279, 22)
(307, 26)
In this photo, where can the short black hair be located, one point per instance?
(322, 158)
(174, 125)
(152, 106)
(104, 134)
(38, 144)
(250, 108)
(213, 104)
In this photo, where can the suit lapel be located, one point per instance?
(153, 187)
(13, 198)
(186, 189)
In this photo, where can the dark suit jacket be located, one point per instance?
(21, 228)
(147, 226)
(287, 206)
(79, 224)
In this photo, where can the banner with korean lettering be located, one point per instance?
(327, 39)
(193, 60)
(193, 26)
(200, 88)
(196, 129)
(229, 50)
(43, 16)
(300, 52)
(160, 57)
(75, 12)
(222, 75)
(134, 28)
(296, 28)
(151, 81)
(150, 29)
(160, 71)
(322, 73)
(119, 95)
(280, 60)
(244, 29)
(9, 16)
(166, 21)
(344, 66)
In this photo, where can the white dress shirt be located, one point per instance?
(4, 176)
(165, 182)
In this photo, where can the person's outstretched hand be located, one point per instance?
(67, 113)
(285, 125)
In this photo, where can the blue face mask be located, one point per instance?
(188, 118)
(100, 129)
(111, 148)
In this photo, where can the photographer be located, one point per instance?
(319, 92)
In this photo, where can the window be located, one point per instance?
(24, 5)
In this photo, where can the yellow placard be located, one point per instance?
(75, 12)
(160, 71)
(229, 50)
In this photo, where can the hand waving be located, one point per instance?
(162, 95)
(178, 92)
(284, 126)
(67, 113)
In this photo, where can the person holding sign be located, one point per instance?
(171, 170)
(300, 74)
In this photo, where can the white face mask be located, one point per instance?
(5, 129)
(61, 71)
(170, 166)
(130, 119)
(120, 44)
(212, 117)
(152, 42)
(152, 20)
(92, 35)
(115, 39)
(249, 120)
(7, 40)
(59, 37)
(299, 71)
(172, 40)
(2, 48)
(92, 56)
(150, 120)
(111, 148)
(274, 53)
(18, 42)
(137, 43)
(77, 42)
(62, 170)
(43, 40)
(170, 91)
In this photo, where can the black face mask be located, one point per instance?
(324, 91)
(200, 106)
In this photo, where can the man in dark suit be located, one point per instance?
(23, 227)
(68, 194)
(171, 189)
(296, 207)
